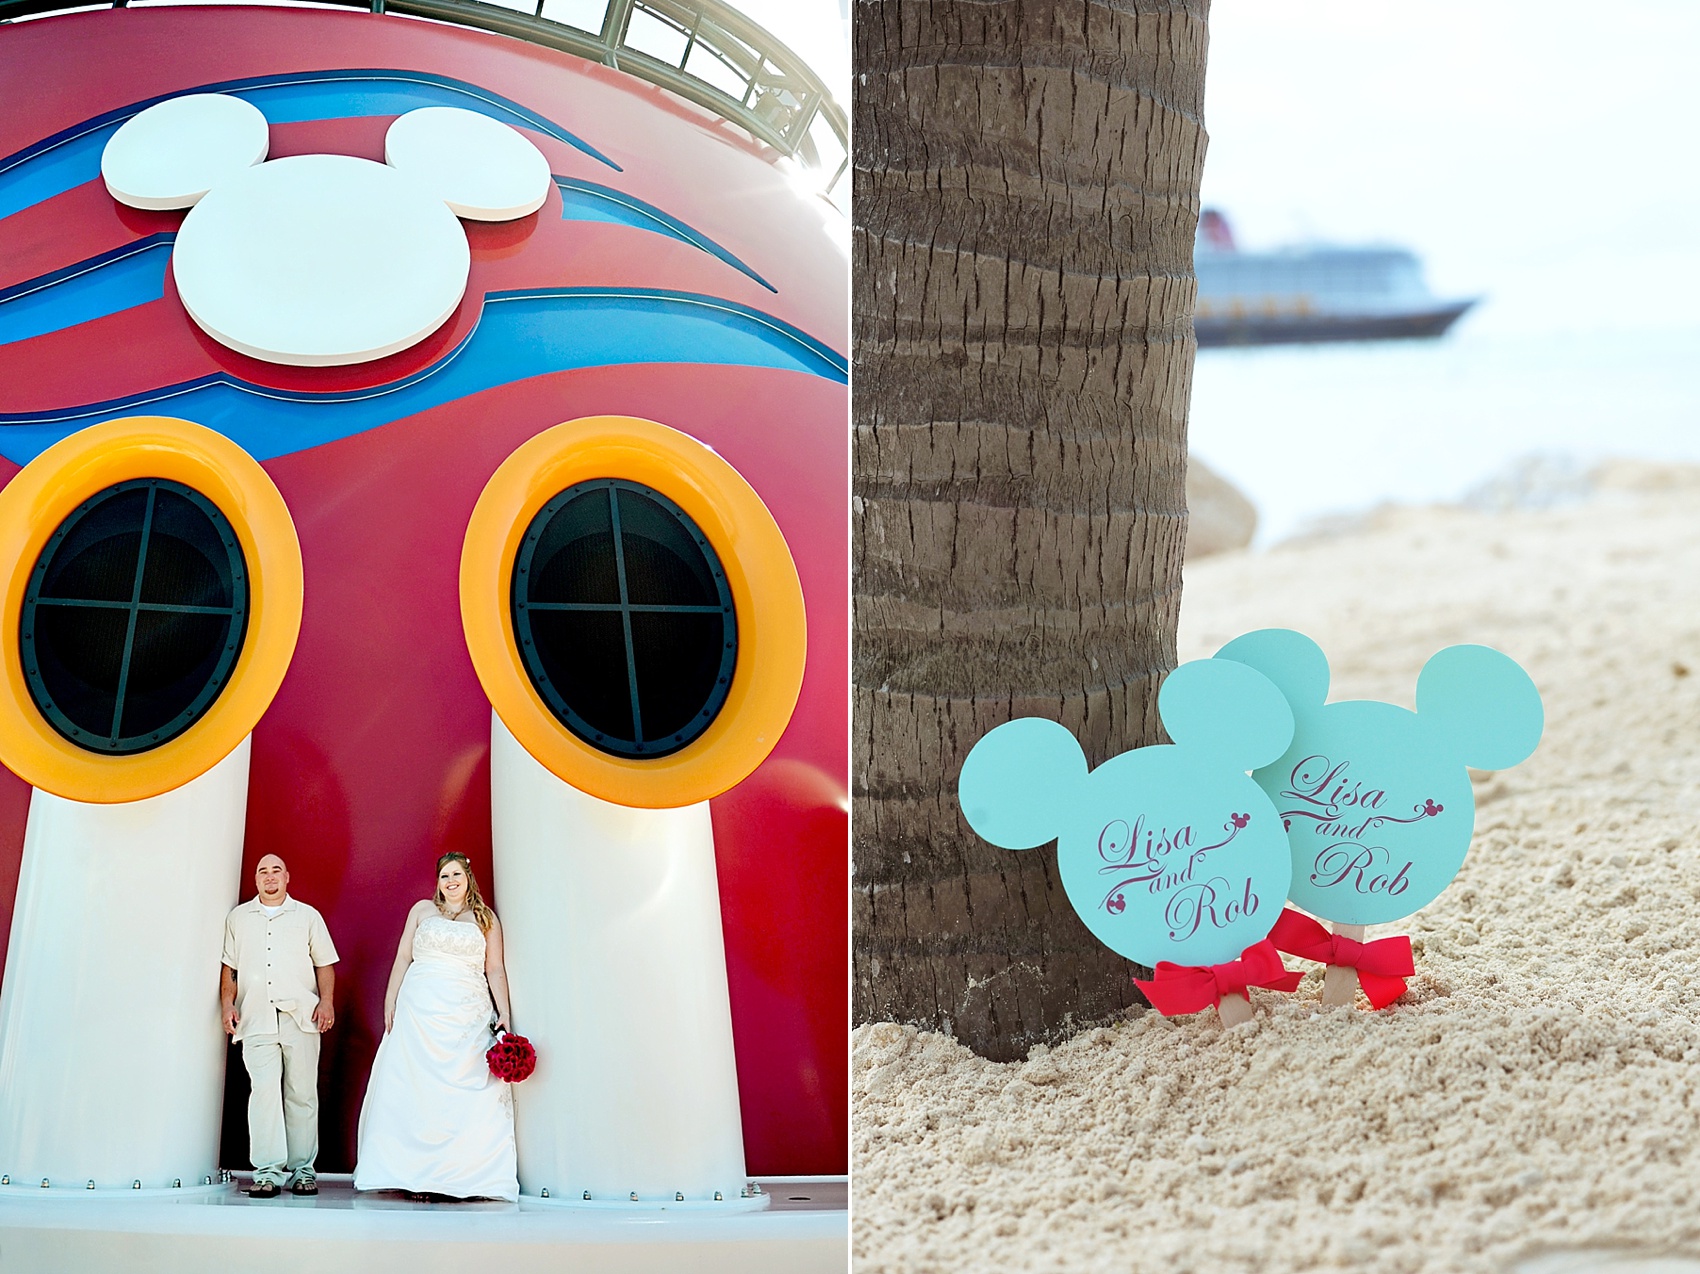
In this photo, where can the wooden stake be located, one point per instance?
(1340, 984)
(1234, 1009)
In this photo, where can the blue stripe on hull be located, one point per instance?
(586, 201)
(519, 335)
(121, 280)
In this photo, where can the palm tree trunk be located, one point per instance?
(1026, 192)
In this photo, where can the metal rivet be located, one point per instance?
(634, 1196)
(6, 1180)
(587, 1196)
(718, 1197)
(678, 1197)
(44, 1183)
(91, 1183)
(135, 1185)
(545, 1193)
(177, 1184)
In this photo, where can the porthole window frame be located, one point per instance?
(38, 500)
(766, 590)
(522, 609)
(41, 694)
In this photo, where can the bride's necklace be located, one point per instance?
(456, 914)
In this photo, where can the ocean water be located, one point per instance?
(1312, 432)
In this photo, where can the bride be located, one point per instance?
(435, 1120)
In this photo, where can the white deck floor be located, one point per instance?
(805, 1229)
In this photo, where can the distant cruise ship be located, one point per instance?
(1306, 294)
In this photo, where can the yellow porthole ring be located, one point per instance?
(46, 492)
(767, 595)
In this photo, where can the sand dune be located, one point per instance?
(1537, 1087)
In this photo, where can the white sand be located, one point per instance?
(1535, 1090)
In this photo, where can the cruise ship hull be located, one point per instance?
(1218, 330)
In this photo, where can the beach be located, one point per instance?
(1533, 1093)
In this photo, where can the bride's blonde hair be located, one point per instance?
(480, 912)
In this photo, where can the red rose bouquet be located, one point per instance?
(511, 1057)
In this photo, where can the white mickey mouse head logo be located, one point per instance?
(321, 260)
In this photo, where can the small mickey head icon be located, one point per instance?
(1375, 798)
(321, 260)
(1168, 852)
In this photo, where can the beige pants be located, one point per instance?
(283, 1102)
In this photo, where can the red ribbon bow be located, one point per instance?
(1183, 988)
(1382, 965)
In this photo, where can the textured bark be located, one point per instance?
(1026, 192)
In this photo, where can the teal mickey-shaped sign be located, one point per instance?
(1168, 853)
(1374, 799)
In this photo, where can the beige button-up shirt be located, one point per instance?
(274, 958)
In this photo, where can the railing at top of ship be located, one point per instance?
(703, 50)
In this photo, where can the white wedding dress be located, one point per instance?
(435, 1119)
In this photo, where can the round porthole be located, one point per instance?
(150, 598)
(134, 616)
(624, 618)
(632, 611)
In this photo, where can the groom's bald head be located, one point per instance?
(271, 878)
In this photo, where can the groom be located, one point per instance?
(275, 991)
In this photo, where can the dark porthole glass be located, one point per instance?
(624, 618)
(134, 616)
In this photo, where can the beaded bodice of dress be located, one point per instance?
(455, 940)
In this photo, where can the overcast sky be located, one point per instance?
(816, 30)
(1539, 151)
